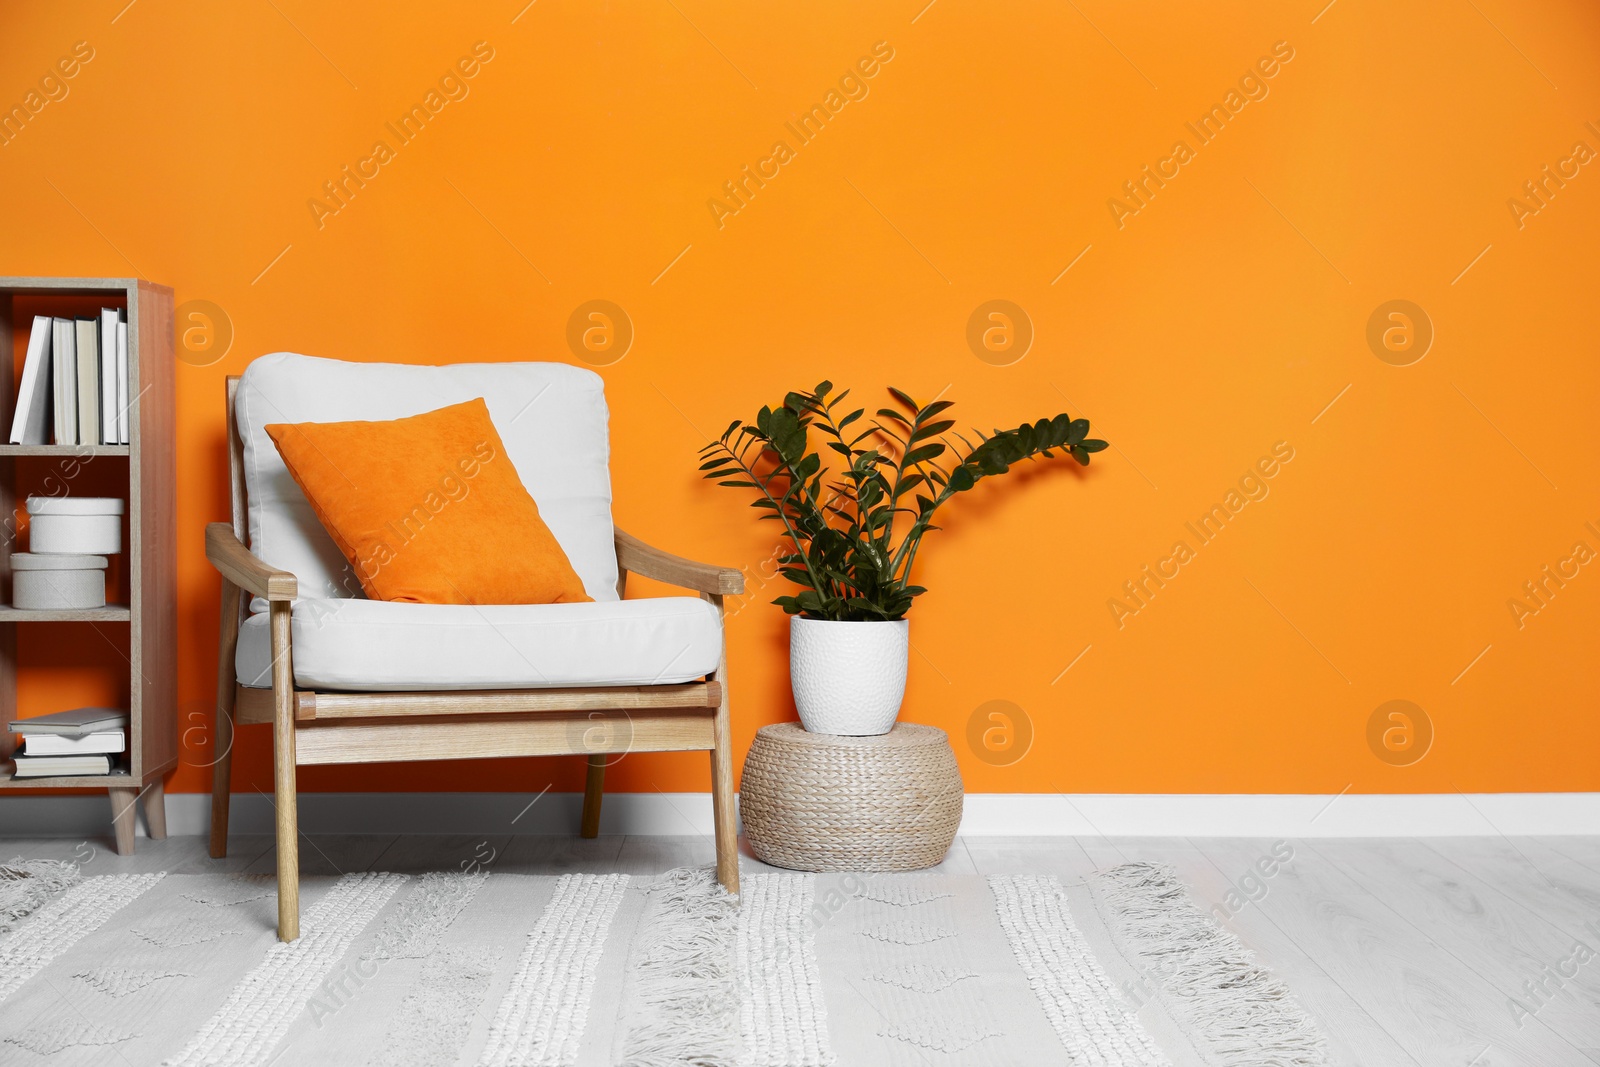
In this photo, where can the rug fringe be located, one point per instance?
(26, 884)
(683, 1002)
(1210, 979)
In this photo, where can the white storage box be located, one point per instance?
(51, 582)
(82, 524)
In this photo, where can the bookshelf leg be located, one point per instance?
(155, 810)
(123, 803)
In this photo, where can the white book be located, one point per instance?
(31, 423)
(88, 381)
(108, 376)
(124, 416)
(97, 743)
(74, 723)
(64, 357)
(53, 766)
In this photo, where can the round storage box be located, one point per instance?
(82, 524)
(52, 582)
(826, 802)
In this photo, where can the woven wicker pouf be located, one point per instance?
(822, 802)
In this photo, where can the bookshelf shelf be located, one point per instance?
(149, 552)
(109, 613)
(88, 781)
(76, 451)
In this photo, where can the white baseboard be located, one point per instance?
(1282, 815)
(987, 814)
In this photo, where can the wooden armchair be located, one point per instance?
(317, 725)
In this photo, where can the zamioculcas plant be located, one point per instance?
(854, 533)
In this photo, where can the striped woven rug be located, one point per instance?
(502, 969)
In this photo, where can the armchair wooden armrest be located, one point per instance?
(636, 557)
(228, 554)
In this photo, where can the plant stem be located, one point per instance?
(761, 483)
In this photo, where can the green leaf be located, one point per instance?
(788, 436)
(932, 429)
(907, 484)
(991, 463)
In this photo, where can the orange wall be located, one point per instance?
(1221, 318)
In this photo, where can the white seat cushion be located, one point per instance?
(552, 418)
(382, 646)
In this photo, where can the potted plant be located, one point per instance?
(853, 534)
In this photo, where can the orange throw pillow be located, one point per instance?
(429, 509)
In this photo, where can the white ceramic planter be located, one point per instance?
(85, 525)
(848, 677)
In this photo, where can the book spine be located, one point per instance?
(108, 376)
(66, 363)
(28, 426)
(88, 381)
(124, 405)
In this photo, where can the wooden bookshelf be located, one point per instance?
(147, 468)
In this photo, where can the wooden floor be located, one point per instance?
(1456, 952)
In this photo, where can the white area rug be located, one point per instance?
(522, 971)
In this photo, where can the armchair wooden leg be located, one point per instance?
(723, 824)
(726, 830)
(221, 783)
(155, 810)
(594, 785)
(288, 823)
(222, 734)
(727, 835)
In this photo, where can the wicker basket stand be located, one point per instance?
(823, 802)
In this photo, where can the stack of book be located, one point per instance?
(75, 382)
(83, 741)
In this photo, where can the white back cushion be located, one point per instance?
(552, 418)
